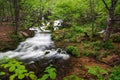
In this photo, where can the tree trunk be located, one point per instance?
(92, 6)
(109, 26)
(110, 19)
(16, 13)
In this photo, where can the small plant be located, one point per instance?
(96, 45)
(2, 73)
(73, 50)
(108, 45)
(19, 37)
(17, 69)
(116, 37)
(50, 72)
(90, 53)
(115, 73)
(72, 77)
(99, 45)
(57, 36)
(79, 29)
(105, 54)
(97, 72)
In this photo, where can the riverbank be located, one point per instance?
(8, 40)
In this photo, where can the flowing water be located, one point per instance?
(36, 48)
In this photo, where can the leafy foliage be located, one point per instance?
(18, 69)
(116, 37)
(72, 77)
(19, 37)
(97, 72)
(73, 50)
(108, 45)
(115, 73)
(2, 73)
(50, 72)
(105, 45)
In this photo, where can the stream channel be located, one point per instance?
(36, 48)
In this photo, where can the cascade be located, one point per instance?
(36, 48)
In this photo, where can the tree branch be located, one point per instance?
(116, 20)
(106, 5)
(114, 2)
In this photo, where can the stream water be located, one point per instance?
(36, 48)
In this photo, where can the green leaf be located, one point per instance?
(2, 73)
(31, 72)
(53, 75)
(21, 76)
(18, 71)
(12, 76)
(44, 77)
(33, 76)
(21, 67)
(12, 69)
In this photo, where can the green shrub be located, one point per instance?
(68, 35)
(78, 29)
(57, 37)
(108, 45)
(19, 37)
(97, 43)
(73, 39)
(116, 37)
(90, 53)
(72, 77)
(104, 54)
(73, 50)
(115, 73)
(100, 45)
(17, 69)
(50, 72)
(97, 72)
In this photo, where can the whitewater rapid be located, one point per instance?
(36, 48)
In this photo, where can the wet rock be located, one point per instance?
(27, 33)
(47, 52)
(59, 50)
(24, 34)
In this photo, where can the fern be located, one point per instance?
(97, 72)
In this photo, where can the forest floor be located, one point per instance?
(5, 32)
(79, 65)
(6, 42)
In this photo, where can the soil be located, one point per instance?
(5, 32)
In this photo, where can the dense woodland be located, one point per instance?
(89, 32)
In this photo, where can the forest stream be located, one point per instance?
(36, 48)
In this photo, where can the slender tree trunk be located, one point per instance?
(92, 15)
(11, 11)
(109, 26)
(3, 12)
(16, 13)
